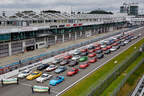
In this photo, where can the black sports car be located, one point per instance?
(64, 62)
(73, 63)
(84, 54)
(99, 56)
(107, 52)
(98, 51)
(43, 66)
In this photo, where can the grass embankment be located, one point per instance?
(116, 82)
(84, 86)
(132, 81)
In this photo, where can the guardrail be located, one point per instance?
(139, 90)
(114, 93)
(29, 61)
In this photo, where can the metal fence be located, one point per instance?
(114, 93)
(103, 84)
(25, 62)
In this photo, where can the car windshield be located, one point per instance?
(42, 65)
(57, 78)
(51, 66)
(44, 76)
(77, 51)
(61, 67)
(25, 72)
(35, 73)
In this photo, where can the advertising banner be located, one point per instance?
(9, 81)
(40, 89)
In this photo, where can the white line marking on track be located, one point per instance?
(29, 85)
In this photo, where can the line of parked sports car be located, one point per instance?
(86, 56)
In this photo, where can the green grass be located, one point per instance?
(132, 81)
(84, 86)
(116, 82)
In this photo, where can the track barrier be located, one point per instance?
(9, 81)
(40, 89)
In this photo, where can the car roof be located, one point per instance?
(35, 72)
(45, 74)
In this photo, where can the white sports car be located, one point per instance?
(76, 57)
(113, 49)
(24, 73)
(43, 78)
(126, 42)
(51, 68)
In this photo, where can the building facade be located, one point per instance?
(28, 30)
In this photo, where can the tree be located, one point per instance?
(99, 12)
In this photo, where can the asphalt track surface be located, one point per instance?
(24, 88)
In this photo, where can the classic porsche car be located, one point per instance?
(98, 48)
(64, 62)
(72, 72)
(109, 46)
(56, 61)
(114, 44)
(73, 63)
(84, 65)
(84, 54)
(82, 59)
(97, 45)
(107, 52)
(93, 60)
(91, 47)
(104, 49)
(91, 51)
(51, 68)
(43, 78)
(34, 75)
(76, 57)
(68, 57)
(76, 52)
(60, 69)
(43, 66)
(92, 55)
(99, 56)
(24, 73)
(84, 50)
(56, 80)
(98, 51)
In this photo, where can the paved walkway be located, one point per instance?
(16, 58)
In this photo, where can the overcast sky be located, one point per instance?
(66, 5)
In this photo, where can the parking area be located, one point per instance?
(25, 85)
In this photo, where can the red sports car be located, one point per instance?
(92, 55)
(91, 51)
(68, 57)
(114, 44)
(93, 60)
(97, 45)
(72, 72)
(83, 66)
(104, 49)
(116, 40)
(108, 47)
(84, 50)
(98, 48)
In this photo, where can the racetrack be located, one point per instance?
(24, 88)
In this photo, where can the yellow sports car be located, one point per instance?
(34, 75)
